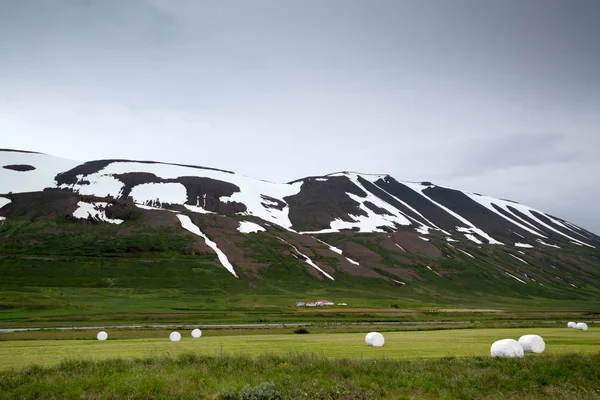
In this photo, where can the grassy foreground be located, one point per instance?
(275, 377)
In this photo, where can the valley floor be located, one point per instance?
(412, 364)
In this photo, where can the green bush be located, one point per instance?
(301, 331)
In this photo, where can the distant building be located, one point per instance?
(311, 304)
(300, 304)
(324, 303)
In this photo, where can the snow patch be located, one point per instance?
(46, 168)
(100, 185)
(159, 193)
(399, 282)
(400, 247)
(422, 238)
(187, 224)
(197, 209)
(4, 201)
(95, 210)
(250, 227)
(525, 245)
(321, 179)
(152, 208)
(435, 272)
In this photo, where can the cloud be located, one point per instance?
(485, 96)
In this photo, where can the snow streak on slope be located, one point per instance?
(464, 252)
(524, 245)
(251, 190)
(520, 259)
(548, 244)
(374, 178)
(489, 202)
(417, 187)
(307, 259)
(250, 227)
(95, 210)
(336, 250)
(373, 220)
(46, 168)
(187, 224)
(514, 277)
(528, 211)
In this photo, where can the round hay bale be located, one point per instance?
(507, 348)
(532, 343)
(581, 326)
(196, 333)
(571, 324)
(102, 335)
(175, 337)
(374, 339)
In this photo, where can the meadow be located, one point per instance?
(418, 364)
(399, 345)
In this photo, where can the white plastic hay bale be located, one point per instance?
(581, 326)
(532, 343)
(175, 337)
(571, 324)
(507, 348)
(374, 339)
(196, 333)
(102, 335)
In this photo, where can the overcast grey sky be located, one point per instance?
(499, 97)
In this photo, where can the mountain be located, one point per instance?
(412, 239)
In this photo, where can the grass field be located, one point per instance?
(399, 345)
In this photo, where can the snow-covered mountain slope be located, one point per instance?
(334, 203)
(30, 172)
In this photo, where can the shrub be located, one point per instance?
(301, 331)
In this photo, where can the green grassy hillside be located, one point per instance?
(61, 269)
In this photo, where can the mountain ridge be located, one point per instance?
(346, 229)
